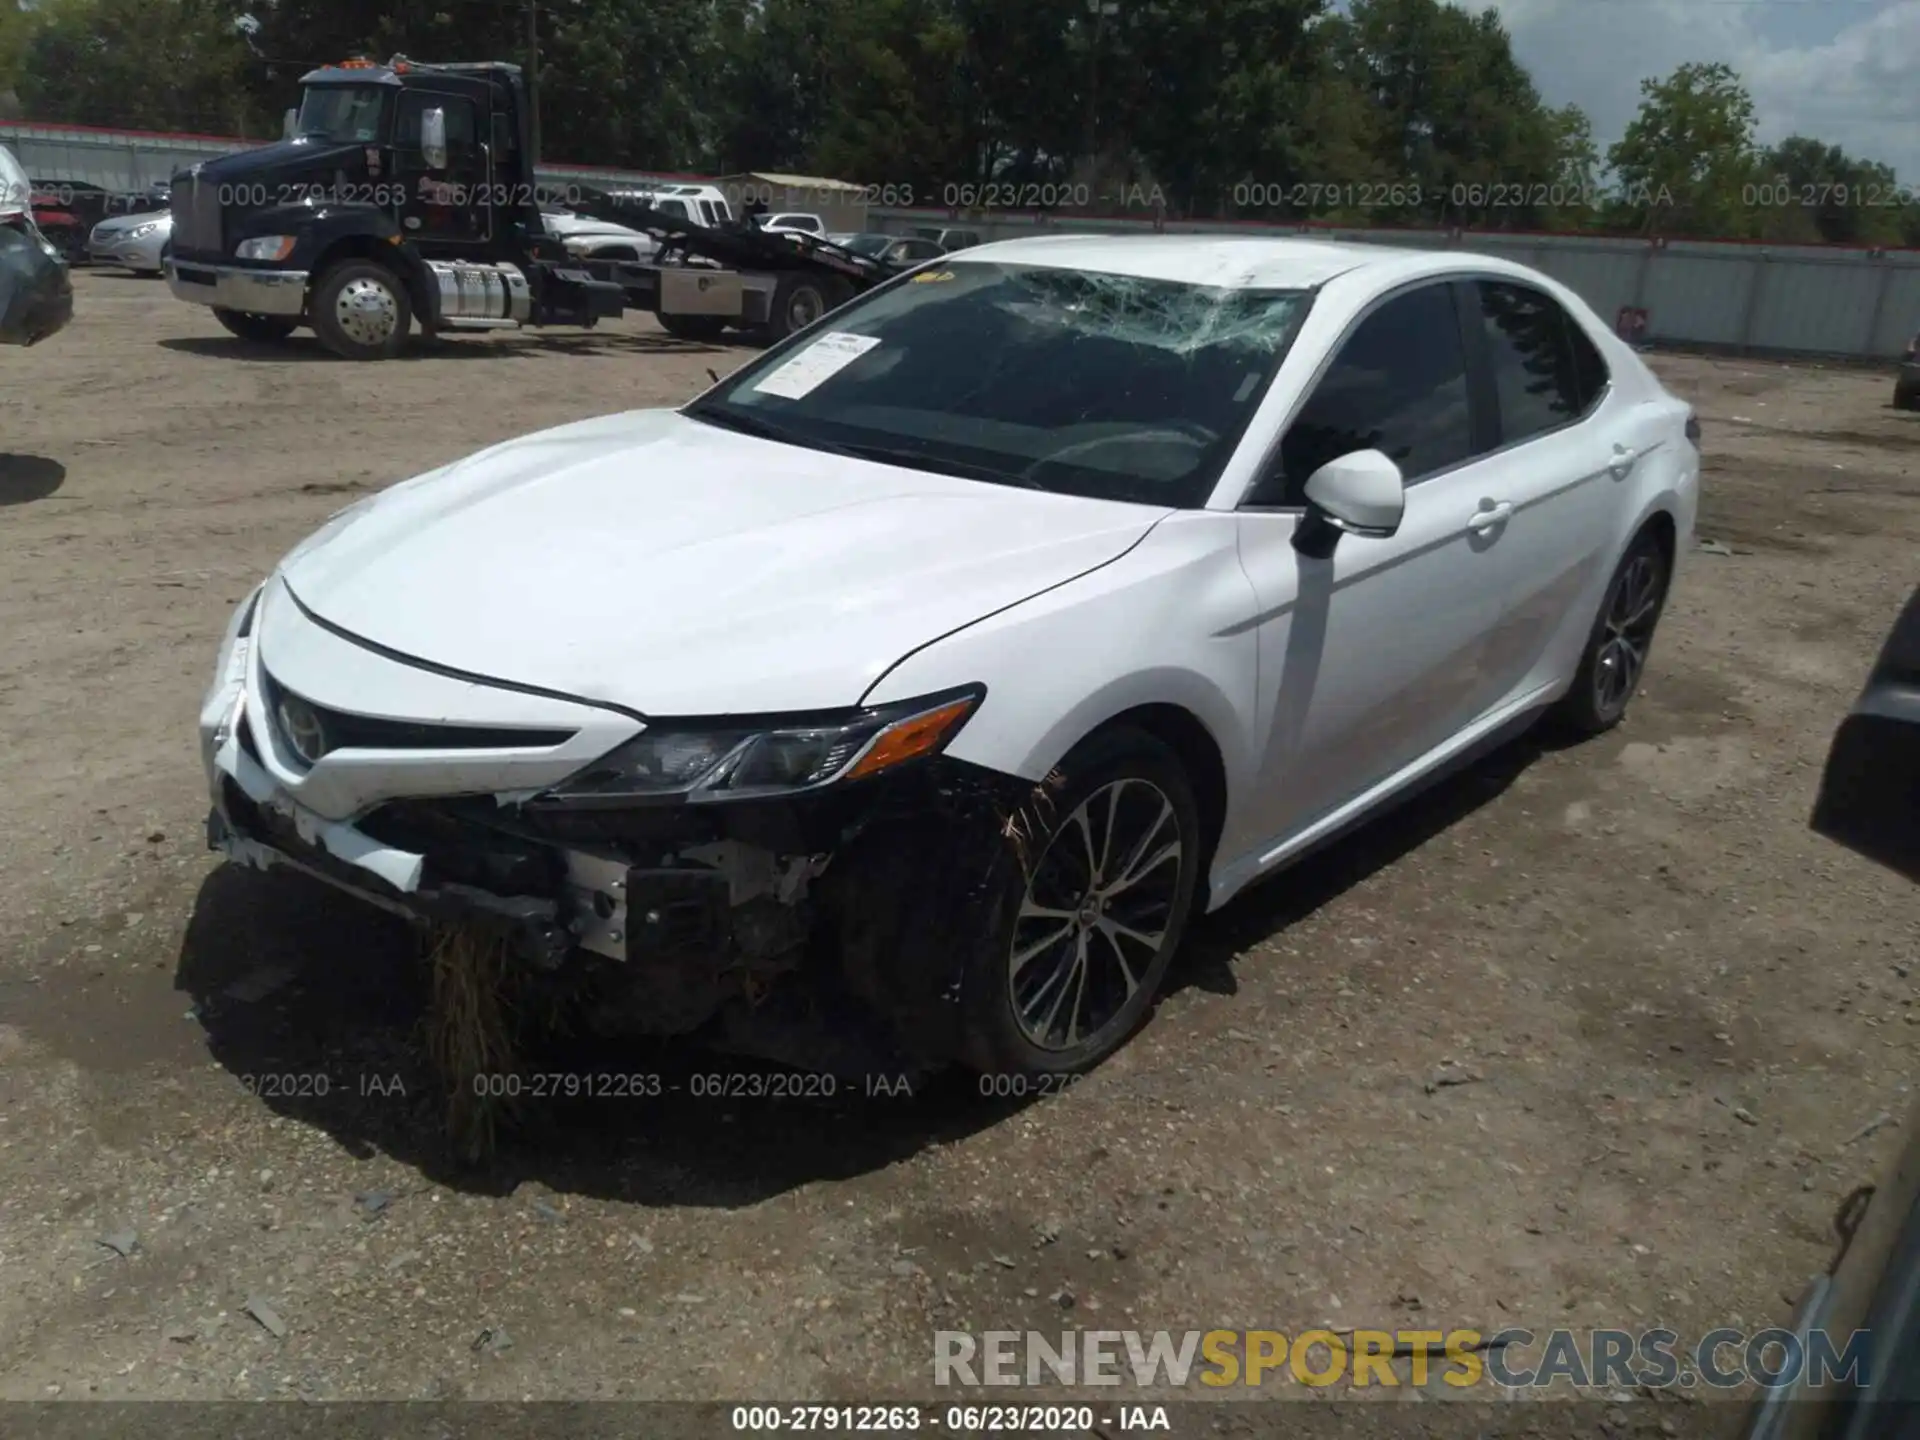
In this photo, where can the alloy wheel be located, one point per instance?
(1096, 913)
(367, 311)
(1627, 631)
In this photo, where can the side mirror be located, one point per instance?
(1360, 494)
(290, 125)
(433, 138)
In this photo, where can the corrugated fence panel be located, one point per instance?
(1697, 297)
(1605, 278)
(1816, 304)
(1899, 317)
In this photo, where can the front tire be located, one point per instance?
(361, 311)
(1615, 659)
(261, 329)
(1087, 926)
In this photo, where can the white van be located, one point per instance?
(696, 204)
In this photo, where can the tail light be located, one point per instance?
(1693, 427)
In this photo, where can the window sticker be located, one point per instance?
(815, 365)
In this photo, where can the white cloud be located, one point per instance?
(1841, 71)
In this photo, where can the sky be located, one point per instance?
(1846, 72)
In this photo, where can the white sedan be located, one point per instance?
(941, 663)
(137, 242)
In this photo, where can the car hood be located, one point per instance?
(668, 567)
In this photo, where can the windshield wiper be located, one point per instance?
(880, 454)
(937, 465)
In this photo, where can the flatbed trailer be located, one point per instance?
(703, 281)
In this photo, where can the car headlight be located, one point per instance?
(702, 762)
(265, 247)
(140, 232)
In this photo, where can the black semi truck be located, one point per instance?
(405, 195)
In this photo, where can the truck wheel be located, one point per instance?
(693, 327)
(360, 311)
(261, 329)
(798, 301)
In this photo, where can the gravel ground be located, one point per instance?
(1669, 1004)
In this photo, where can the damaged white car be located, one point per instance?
(918, 682)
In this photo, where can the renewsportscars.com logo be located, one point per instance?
(1515, 1358)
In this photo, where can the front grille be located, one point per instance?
(196, 216)
(342, 730)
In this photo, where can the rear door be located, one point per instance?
(1550, 512)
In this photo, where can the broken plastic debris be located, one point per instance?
(122, 1242)
(268, 1317)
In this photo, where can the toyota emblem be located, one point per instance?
(301, 725)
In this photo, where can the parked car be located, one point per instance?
(806, 224)
(948, 656)
(947, 238)
(136, 241)
(1906, 386)
(901, 252)
(588, 238)
(1869, 801)
(36, 292)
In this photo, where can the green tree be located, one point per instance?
(153, 64)
(1687, 158)
(1806, 192)
(1459, 122)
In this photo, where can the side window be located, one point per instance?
(1588, 366)
(462, 122)
(1397, 385)
(1530, 348)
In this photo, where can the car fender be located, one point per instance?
(1168, 623)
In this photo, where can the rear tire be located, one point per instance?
(260, 329)
(1615, 660)
(702, 328)
(798, 301)
(361, 311)
(1084, 931)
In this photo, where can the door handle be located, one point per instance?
(1622, 463)
(1489, 515)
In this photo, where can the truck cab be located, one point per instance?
(402, 193)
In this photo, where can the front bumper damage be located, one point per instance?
(831, 930)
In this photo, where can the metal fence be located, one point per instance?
(1786, 299)
(125, 161)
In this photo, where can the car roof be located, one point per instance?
(1233, 262)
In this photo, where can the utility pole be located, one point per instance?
(533, 83)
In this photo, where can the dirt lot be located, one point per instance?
(1678, 1004)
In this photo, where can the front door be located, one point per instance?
(450, 208)
(1372, 657)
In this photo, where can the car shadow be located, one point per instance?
(26, 478)
(1206, 960)
(304, 347)
(316, 1002)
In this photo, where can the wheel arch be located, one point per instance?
(401, 259)
(1184, 733)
